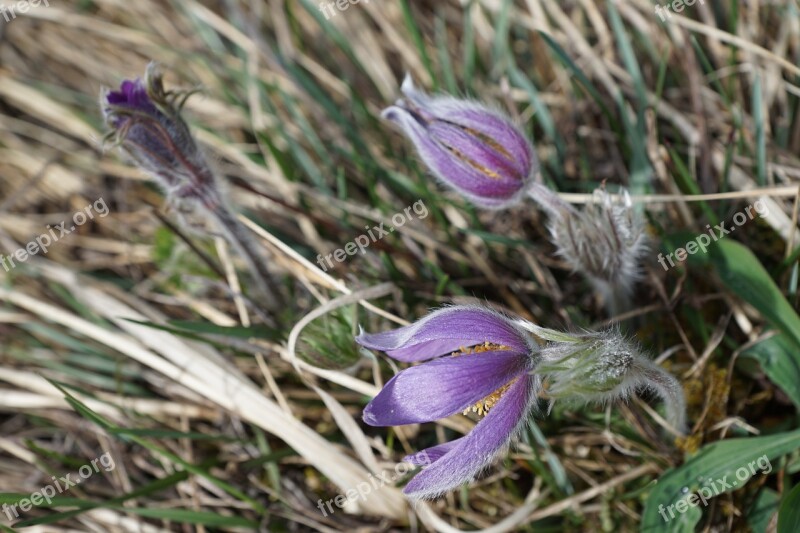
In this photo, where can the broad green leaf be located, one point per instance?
(743, 274)
(716, 469)
(779, 359)
(789, 515)
(762, 511)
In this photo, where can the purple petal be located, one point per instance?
(461, 171)
(442, 387)
(478, 449)
(501, 174)
(430, 455)
(492, 125)
(445, 331)
(133, 95)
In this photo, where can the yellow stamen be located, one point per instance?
(481, 348)
(489, 173)
(483, 406)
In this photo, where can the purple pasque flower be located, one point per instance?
(475, 150)
(145, 121)
(477, 360)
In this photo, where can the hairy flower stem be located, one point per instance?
(548, 200)
(243, 242)
(617, 302)
(668, 388)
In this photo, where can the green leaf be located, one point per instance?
(780, 360)
(721, 467)
(641, 172)
(742, 272)
(758, 121)
(185, 516)
(789, 515)
(765, 506)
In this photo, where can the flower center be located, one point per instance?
(482, 407)
(481, 348)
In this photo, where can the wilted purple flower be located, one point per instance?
(146, 122)
(475, 150)
(487, 367)
(487, 363)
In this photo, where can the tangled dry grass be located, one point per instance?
(131, 335)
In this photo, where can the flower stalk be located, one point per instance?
(145, 121)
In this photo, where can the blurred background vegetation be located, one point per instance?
(130, 336)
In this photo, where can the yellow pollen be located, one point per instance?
(481, 348)
(489, 173)
(483, 406)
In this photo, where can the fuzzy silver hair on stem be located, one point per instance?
(603, 367)
(146, 123)
(605, 241)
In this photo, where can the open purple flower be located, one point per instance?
(479, 360)
(475, 150)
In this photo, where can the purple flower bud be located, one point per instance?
(475, 150)
(145, 121)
